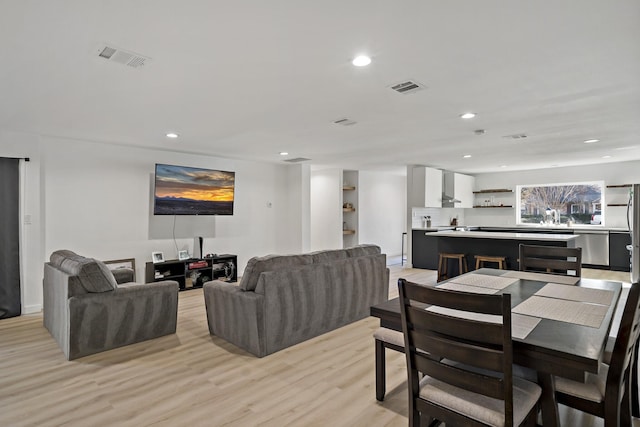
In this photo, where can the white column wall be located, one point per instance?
(382, 211)
(326, 209)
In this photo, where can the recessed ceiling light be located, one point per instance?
(468, 115)
(503, 166)
(172, 135)
(361, 61)
(606, 157)
(284, 153)
(466, 156)
(591, 141)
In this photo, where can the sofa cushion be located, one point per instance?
(363, 250)
(320, 257)
(94, 275)
(257, 265)
(59, 256)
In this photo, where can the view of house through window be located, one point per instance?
(555, 204)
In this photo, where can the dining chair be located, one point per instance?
(466, 361)
(550, 259)
(608, 394)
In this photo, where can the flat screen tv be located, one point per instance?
(182, 190)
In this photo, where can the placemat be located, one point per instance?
(484, 281)
(521, 325)
(579, 313)
(542, 277)
(576, 293)
(452, 286)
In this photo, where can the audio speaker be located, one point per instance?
(197, 247)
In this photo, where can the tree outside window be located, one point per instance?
(559, 203)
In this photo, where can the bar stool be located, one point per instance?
(500, 260)
(443, 264)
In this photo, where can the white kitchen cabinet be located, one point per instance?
(427, 187)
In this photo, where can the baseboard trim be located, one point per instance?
(30, 309)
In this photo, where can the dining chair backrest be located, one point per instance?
(480, 349)
(613, 404)
(551, 259)
(619, 375)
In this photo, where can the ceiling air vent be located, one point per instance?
(516, 136)
(345, 122)
(297, 160)
(407, 87)
(121, 56)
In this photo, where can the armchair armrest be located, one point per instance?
(129, 314)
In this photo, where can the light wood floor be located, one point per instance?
(194, 379)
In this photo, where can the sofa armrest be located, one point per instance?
(236, 315)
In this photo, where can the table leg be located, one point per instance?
(380, 371)
(548, 400)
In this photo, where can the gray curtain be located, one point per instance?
(9, 237)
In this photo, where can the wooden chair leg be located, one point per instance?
(635, 393)
(477, 263)
(380, 371)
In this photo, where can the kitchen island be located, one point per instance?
(502, 244)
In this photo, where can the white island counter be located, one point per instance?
(551, 237)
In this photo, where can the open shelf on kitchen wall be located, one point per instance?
(618, 196)
(502, 198)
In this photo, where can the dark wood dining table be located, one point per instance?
(553, 347)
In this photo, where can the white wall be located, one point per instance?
(382, 198)
(32, 254)
(95, 199)
(610, 173)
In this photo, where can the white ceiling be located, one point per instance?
(248, 79)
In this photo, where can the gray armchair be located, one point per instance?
(87, 311)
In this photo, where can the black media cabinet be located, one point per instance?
(193, 273)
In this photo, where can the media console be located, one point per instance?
(193, 273)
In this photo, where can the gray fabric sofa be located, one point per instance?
(286, 299)
(87, 311)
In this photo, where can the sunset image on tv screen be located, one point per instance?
(181, 190)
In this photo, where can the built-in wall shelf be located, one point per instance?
(493, 190)
(349, 205)
(485, 207)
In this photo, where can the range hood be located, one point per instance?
(448, 201)
(449, 190)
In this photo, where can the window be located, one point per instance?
(559, 203)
